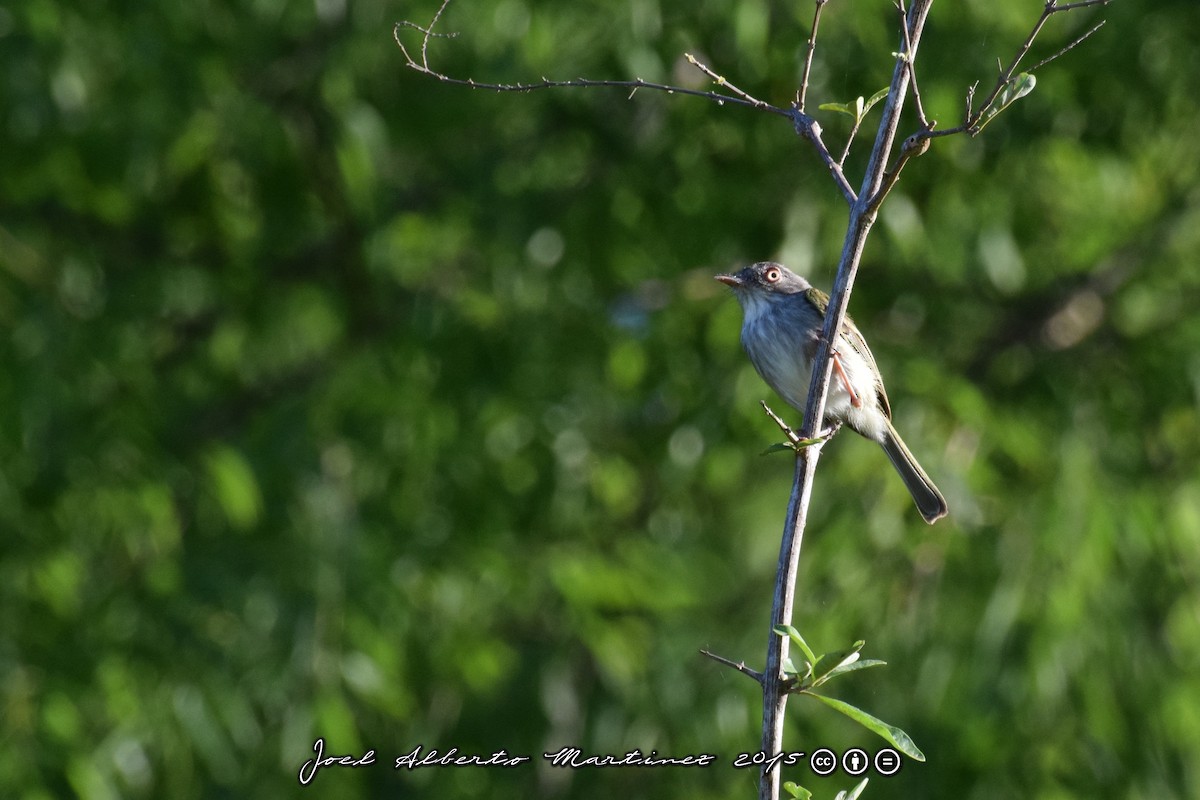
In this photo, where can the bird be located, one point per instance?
(782, 320)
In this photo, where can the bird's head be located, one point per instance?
(763, 280)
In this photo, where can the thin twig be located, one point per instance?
(587, 83)
(1073, 6)
(918, 143)
(721, 81)
(850, 140)
(910, 59)
(1071, 46)
(783, 426)
(738, 97)
(427, 35)
(802, 92)
(740, 666)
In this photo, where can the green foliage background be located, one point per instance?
(339, 402)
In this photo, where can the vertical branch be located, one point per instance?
(774, 690)
(802, 93)
(922, 120)
(862, 216)
(892, 108)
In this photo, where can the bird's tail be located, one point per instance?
(929, 500)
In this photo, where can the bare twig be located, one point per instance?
(720, 81)
(970, 100)
(740, 666)
(429, 34)
(909, 58)
(1073, 6)
(811, 47)
(1071, 46)
(783, 426)
(849, 141)
(738, 97)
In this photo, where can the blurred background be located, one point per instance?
(338, 402)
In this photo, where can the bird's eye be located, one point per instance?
(771, 275)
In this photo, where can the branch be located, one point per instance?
(910, 60)
(915, 145)
(802, 92)
(719, 80)
(862, 217)
(808, 128)
(974, 121)
(1071, 46)
(740, 666)
(422, 66)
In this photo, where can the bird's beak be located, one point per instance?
(729, 280)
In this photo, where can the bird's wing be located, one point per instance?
(820, 301)
(855, 337)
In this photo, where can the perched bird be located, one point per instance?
(783, 316)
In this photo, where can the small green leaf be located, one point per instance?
(858, 107)
(778, 447)
(831, 661)
(841, 108)
(797, 791)
(793, 634)
(855, 792)
(875, 98)
(841, 669)
(1014, 90)
(898, 738)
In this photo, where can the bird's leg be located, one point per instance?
(855, 400)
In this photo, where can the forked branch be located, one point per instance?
(1008, 87)
(975, 118)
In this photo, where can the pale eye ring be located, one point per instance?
(772, 275)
